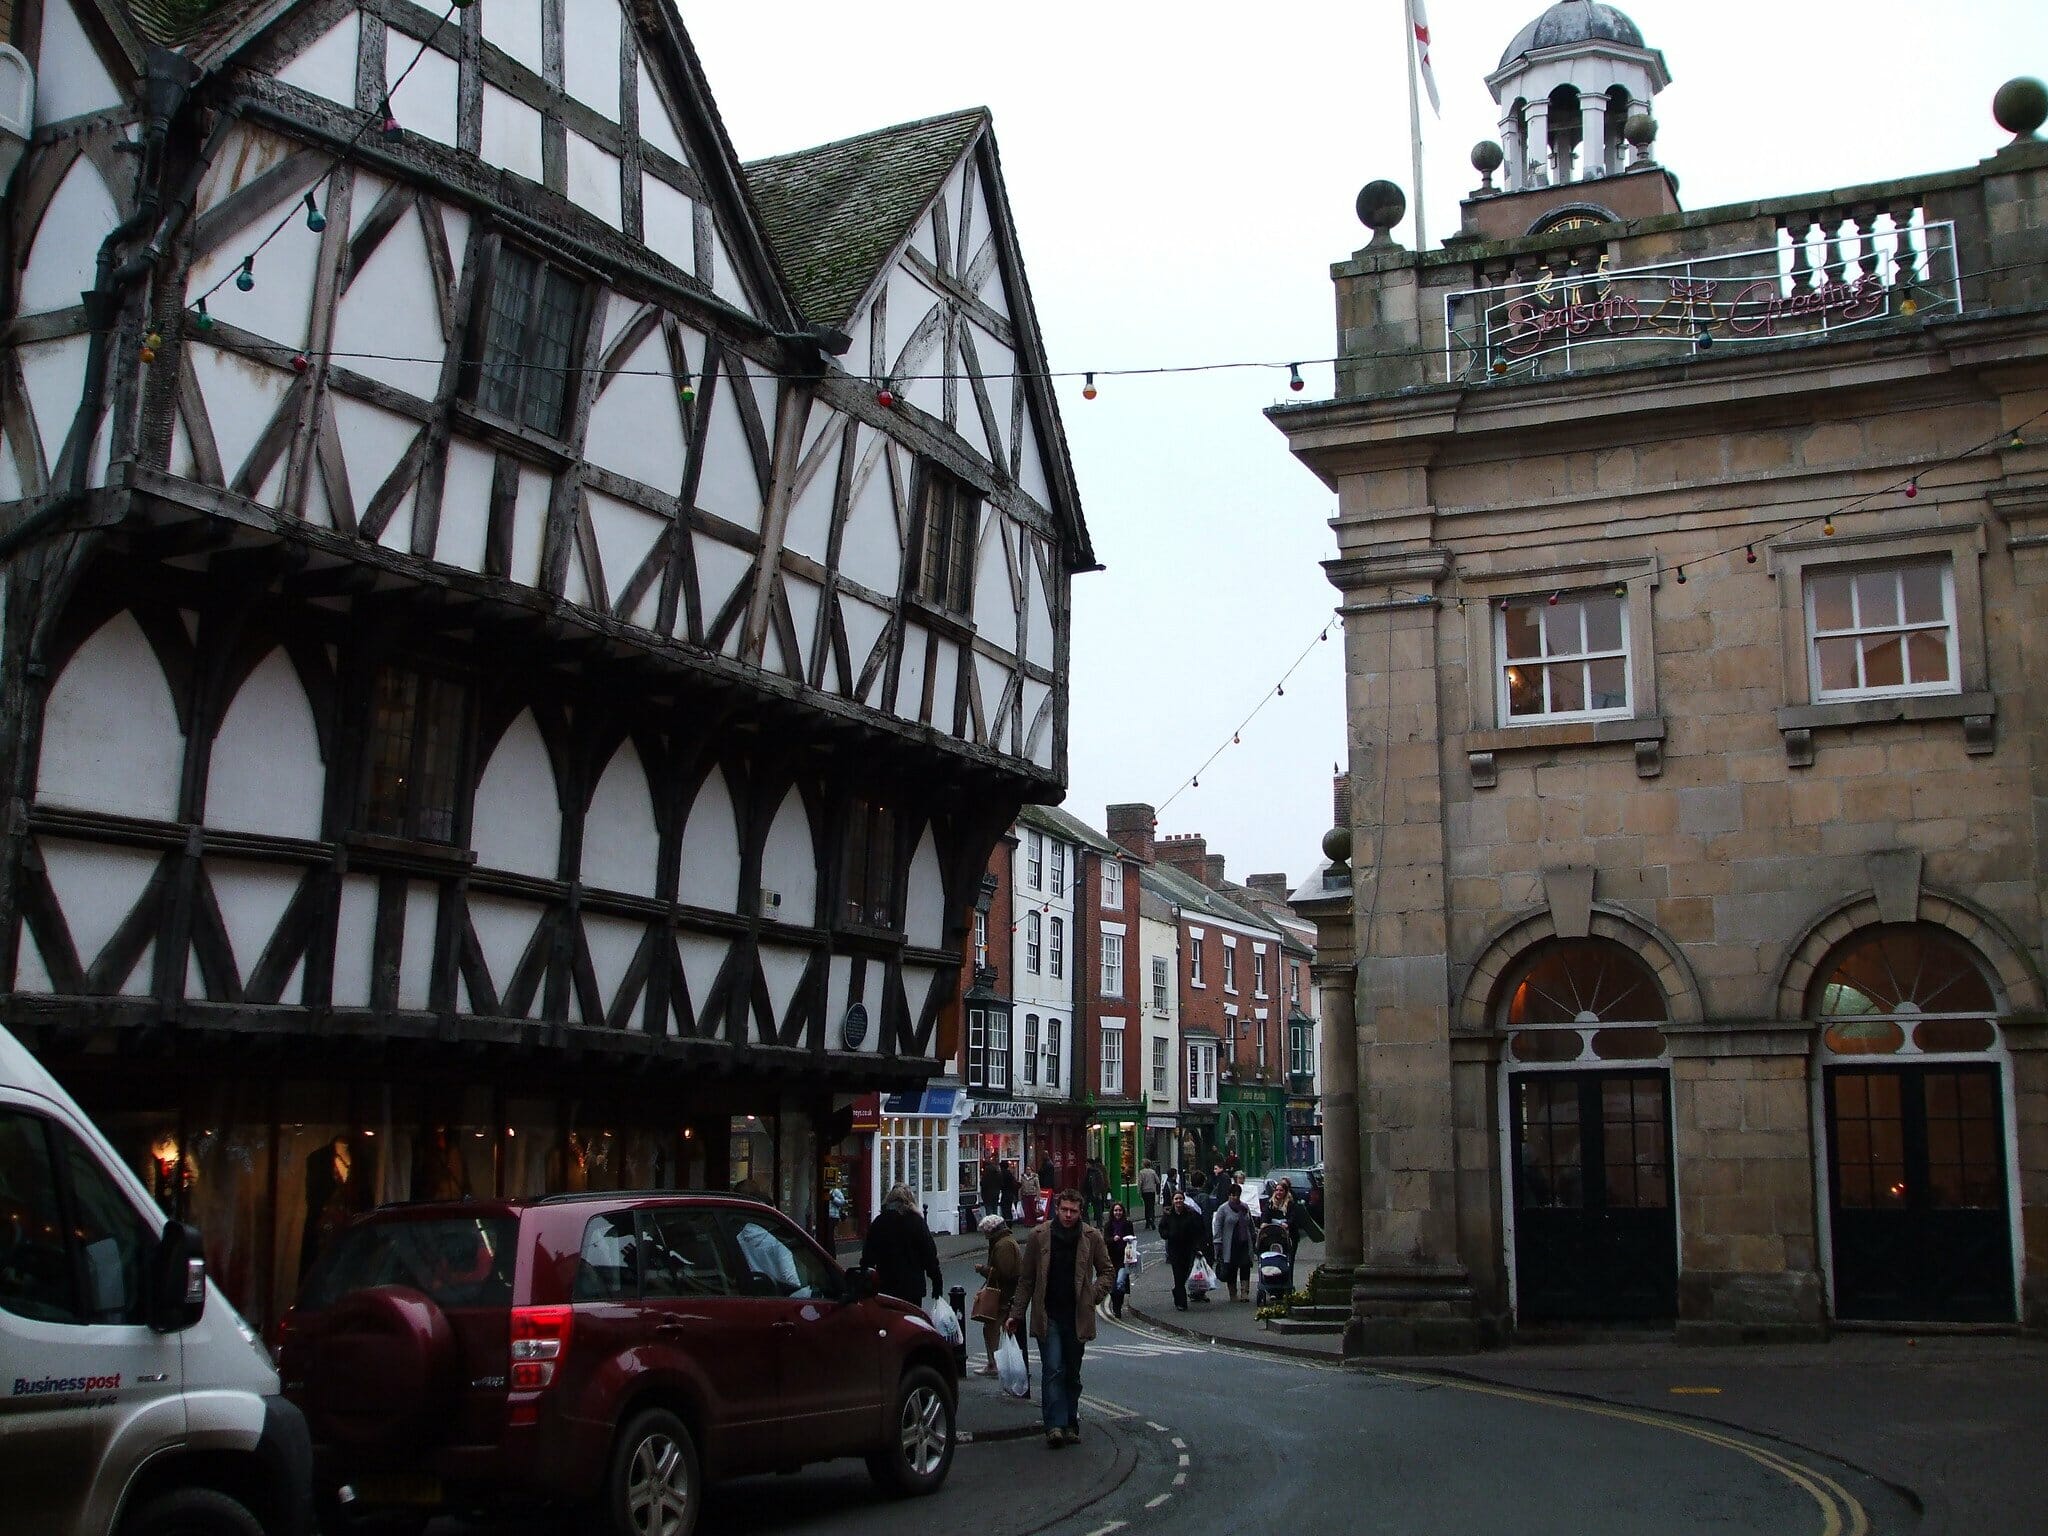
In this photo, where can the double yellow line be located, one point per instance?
(1840, 1513)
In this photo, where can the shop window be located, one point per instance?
(525, 358)
(417, 724)
(951, 513)
(869, 872)
(1563, 656)
(1878, 630)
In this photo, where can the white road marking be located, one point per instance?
(1179, 1444)
(1155, 1424)
(1157, 1499)
(1184, 1458)
(1104, 1530)
(1107, 1409)
(1147, 1351)
(1180, 1479)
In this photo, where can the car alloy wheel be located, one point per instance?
(918, 1454)
(926, 1432)
(654, 1478)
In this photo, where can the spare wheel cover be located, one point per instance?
(383, 1369)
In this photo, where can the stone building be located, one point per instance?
(1694, 568)
(521, 631)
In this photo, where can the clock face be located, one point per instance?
(1572, 218)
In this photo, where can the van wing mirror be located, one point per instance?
(177, 1279)
(859, 1284)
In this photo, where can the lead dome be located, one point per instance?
(1573, 21)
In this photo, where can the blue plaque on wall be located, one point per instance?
(853, 1029)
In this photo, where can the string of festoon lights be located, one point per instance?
(243, 273)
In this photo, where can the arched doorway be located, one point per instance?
(1912, 1089)
(1587, 1083)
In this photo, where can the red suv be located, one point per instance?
(604, 1351)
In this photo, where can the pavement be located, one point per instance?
(1956, 1421)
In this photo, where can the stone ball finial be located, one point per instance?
(1640, 130)
(1486, 157)
(1337, 845)
(1381, 205)
(2020, 107)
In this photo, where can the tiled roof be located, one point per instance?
(190, 25)
(1050, 818)
(834, 213)
(1193, 897)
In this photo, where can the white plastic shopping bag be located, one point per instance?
(1010, 1367)
(944, 1318)
(1201, 1279)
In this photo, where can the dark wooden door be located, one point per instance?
(1595, 1238)
(1917, 1194)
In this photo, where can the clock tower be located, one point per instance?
(1574, 88)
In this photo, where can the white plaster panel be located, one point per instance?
(621, 843)
(783, 971)
(918, 981)
(594, 181)
(266, 775)
(416, 950)
(720, 569)
(96, 886)
(998, 363)
(60, 263)
(728, 484)
(924, 240)
(241, 397)
(529, 523)
(1037, 727)
(111, 739)
(70, 78)
(636, 424)
(789, 864)
(703, 957)
(355, 935)
(1038, 630)
(511, 134)
(279, 308)
(967, 418)
(710, 873)
(612, 942)
(373, 440)
(390, 312)
(317, 510)
(252, 898)
(53, 373)
(590, 56)
(909, 700)
(327, 66)
(995, 599)
(1031, 467)
(924, 912)
(514, 25)
(426, 103)
(656, 126)
(994, 292)
(668, 222)
(992, 677)
(30, 974)
(625, 534)
(871, 549)
(195, 974)
(838, 997)
(503, 930)
(803, 611)
(808, 529)
(10, 471)
(465, 506)
(945, 684)
(865, 624)
(724, 278)
(455, 222)
(517, 825)
(918, 373)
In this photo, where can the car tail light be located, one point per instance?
(540, 1338)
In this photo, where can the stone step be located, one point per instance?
(1294, 1322)
(1321, 1314)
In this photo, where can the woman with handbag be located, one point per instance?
(999, 1284)
(1119, 1234)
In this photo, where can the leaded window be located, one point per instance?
(532, 312)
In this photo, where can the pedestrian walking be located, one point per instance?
(1148, 1191)
(1066, 1269)
(1000, 1272)
(1231, 1228)
(1186, 1236)
(1048, 1176)
(1095, 1189)
(1118, 1235)
(1011, 1189)
(1288, 1211)
(1027, 1201)
(991, 1189)
(900, 1250)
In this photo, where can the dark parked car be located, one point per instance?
(1307, 1184)
(604, 1352)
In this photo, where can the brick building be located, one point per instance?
(1693, 574)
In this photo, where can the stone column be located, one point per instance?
(1514, 158)
(1592, 136)
(1537, 116)
(1336, 975)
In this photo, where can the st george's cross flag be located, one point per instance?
(1419, 19)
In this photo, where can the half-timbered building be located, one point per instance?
(521, 632)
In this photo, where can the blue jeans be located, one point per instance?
(1059, 1362)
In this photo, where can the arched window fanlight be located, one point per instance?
(1583, 981)
(1887, 980)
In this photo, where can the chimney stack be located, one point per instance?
(1213, 871)
(1269, 885)
(1188, 853)
(1130, 828)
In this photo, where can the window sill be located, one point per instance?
(1646, 733)
(444, 858)
(1977, 711)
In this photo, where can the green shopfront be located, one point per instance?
(1251, 1124)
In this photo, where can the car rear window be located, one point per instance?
(460, 1261)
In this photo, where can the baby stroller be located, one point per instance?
(1275, 1264)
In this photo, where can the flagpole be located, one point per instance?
(1414, 120)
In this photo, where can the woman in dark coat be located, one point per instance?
(900, 1249)
(1119, 1234)
(1005, 1263)
(1186, 1234)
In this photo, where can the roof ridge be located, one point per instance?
(958, 114)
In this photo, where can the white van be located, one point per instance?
(133, 1401)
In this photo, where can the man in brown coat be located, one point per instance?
(1066, 1268)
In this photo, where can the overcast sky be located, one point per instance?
(1182, 176)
